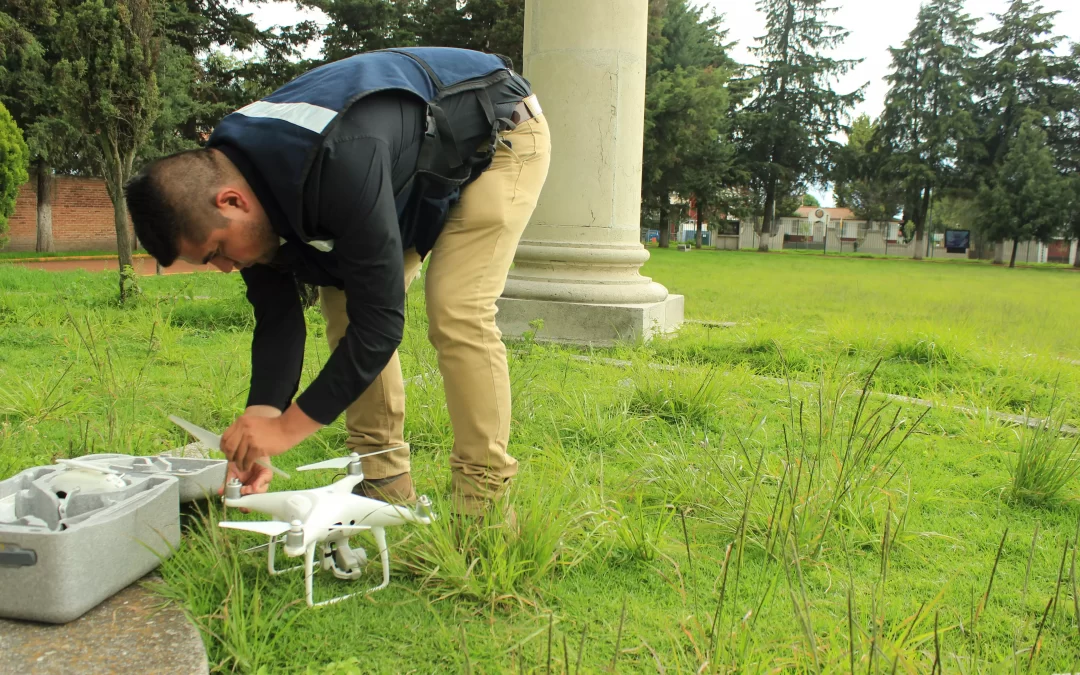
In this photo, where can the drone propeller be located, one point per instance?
(343, 462)
(271, 528)
(88, 466)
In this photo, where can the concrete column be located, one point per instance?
(577, 265)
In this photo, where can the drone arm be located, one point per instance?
(345, 485)
(272, 503)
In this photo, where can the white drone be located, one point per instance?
(325, 517)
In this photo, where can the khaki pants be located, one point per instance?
(466, 274)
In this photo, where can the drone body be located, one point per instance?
(326, 517)
(304, 520)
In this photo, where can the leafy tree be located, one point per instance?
(200, 84)
(14, 158)
(28, 56)
(1027, 111)
(927, 113)
(1072, 216)
(1066, 140)
(810, 200)
(687, 111)
(861, 182)
(108, 84)
(1026, 197)
(356, 26)
(786, 129)
(364, 25)
(493, 26)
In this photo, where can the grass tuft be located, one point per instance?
(1045, 463)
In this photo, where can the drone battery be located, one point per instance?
(72, 535)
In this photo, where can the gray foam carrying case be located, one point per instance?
(75, 533)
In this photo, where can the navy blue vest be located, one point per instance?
(283, 133)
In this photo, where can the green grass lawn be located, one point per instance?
(690, 513)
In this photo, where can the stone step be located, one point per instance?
(131, 632)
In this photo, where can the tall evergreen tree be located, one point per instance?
(687, 147)
(1019, 73)
(786, 129)
(1067, 141)
(494, 26)
(1026, 197)
(1027, 98)
(927, 110)
(29, 53)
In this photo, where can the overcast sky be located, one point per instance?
(875, 25)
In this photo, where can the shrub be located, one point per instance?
(14, 158)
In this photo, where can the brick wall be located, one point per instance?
(82, 216)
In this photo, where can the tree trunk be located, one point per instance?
(115, 184)
(920, 224)
(769, 216)
(665, 227)
(1012, 258)
(46, 188)
(999, 253)
(128, 284)
(1076, 260)
(697, 235)
(117, 171)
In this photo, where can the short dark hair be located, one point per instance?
(172, 198)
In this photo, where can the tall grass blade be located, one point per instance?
(990, 585)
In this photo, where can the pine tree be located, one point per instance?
(493, 26)
(1066, 140)
(687, 148)
(1027, 112)
(786, 129)
(30, 52)
(927, 110)
(1026, 198)
(1018, 74)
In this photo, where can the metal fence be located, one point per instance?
(875, 239)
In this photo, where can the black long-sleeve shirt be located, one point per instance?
(365, 161)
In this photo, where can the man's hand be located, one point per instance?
(255, 480)
(254, 435)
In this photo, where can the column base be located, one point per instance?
(583, 323)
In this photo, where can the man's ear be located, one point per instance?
(230, 199)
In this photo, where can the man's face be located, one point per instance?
(246, 238)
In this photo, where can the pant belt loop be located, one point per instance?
(533, 104)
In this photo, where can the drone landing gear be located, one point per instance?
(331, 562)
(274, 541)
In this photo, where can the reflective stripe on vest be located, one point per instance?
(311, 117)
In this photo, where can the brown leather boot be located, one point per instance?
(392, 489)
